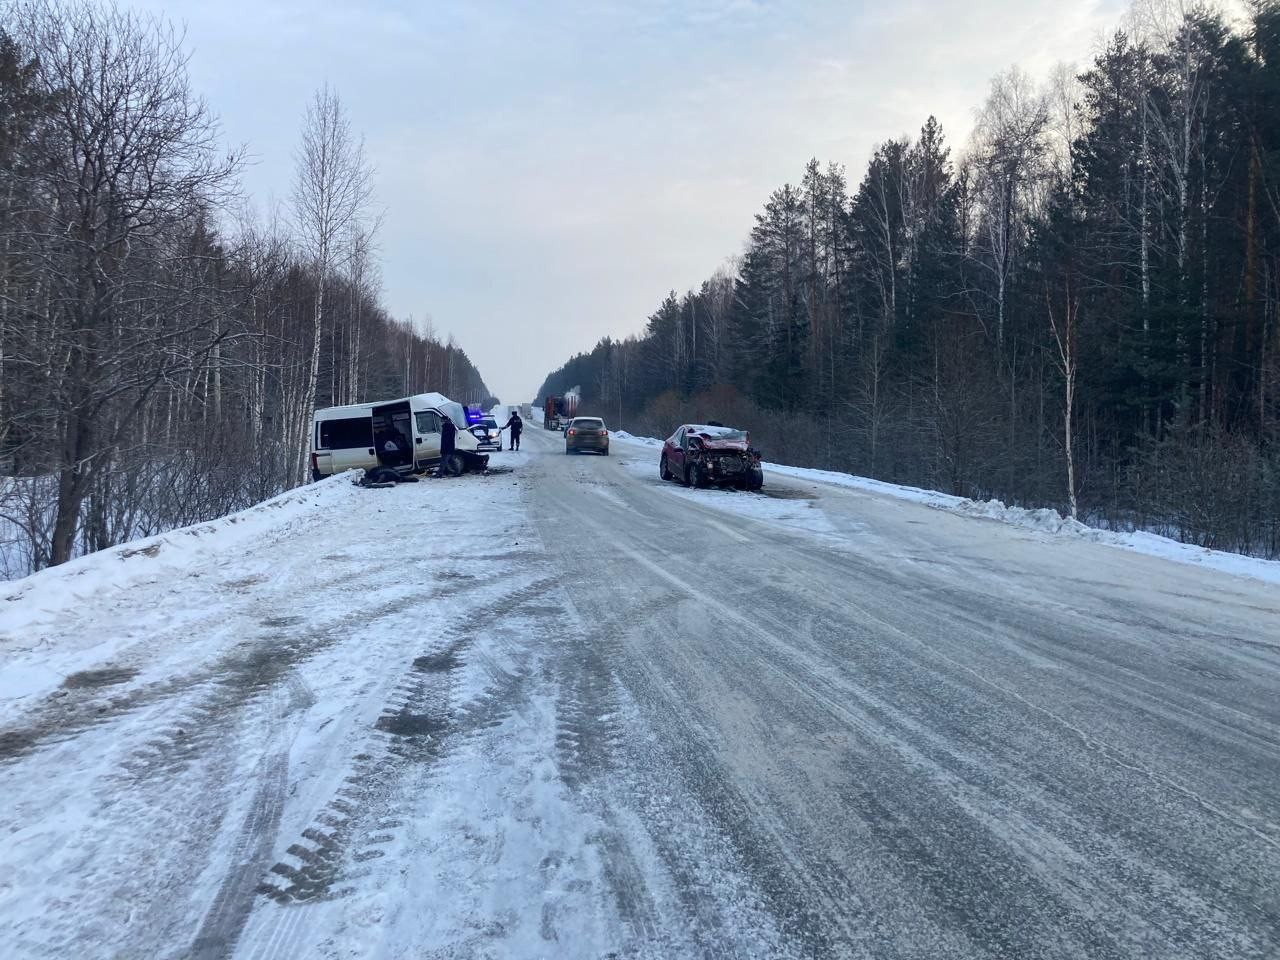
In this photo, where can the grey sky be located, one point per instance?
(551, 169)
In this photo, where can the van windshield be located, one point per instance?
(453, 410)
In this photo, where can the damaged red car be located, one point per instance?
(705, 455)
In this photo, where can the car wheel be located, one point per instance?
(606, 451)
(684, 476)
(697, 478)
(663, 472)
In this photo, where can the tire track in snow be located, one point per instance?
(251, 669)
(422, 721)
(68, 713)
(802, 908)
(220, 929)
(589, 736)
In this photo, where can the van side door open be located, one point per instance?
(393, 434)
(426, 439)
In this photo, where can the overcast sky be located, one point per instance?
(551, 169)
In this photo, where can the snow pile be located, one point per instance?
(646, 441)
(1048, 521)
(29, 604)
(1042, 520)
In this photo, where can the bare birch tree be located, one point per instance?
(1064, 327)
(1009, 159)
(133, 153)
(333, 186)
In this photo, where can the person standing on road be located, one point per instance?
(515, 425)
(448, 442)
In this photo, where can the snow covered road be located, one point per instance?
(571, 711)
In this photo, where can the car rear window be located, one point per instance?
(589, 424)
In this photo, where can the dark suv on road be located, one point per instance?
(704, 455)
(586, 433)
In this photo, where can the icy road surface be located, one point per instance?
(571, 711)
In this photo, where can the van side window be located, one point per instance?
(428, 422)
(346, 434)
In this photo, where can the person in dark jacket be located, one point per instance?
(515, 425)
(448, 441)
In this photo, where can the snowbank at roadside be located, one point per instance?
(28, 604)
(1044, 520)
(646, 441)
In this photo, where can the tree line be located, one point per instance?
(162, 346)
(1078, 311)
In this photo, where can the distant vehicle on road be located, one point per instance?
(487, 434)
(558, 411)
(391, 439)
(526, 411)
(586, 433)
(702, 455)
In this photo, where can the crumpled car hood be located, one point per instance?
(712, 443)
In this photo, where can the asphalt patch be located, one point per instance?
(787, 493)
(15, 744)
(437, 662)
(402, 723)
(99, 678)
(281, 621)
(1205, 668)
